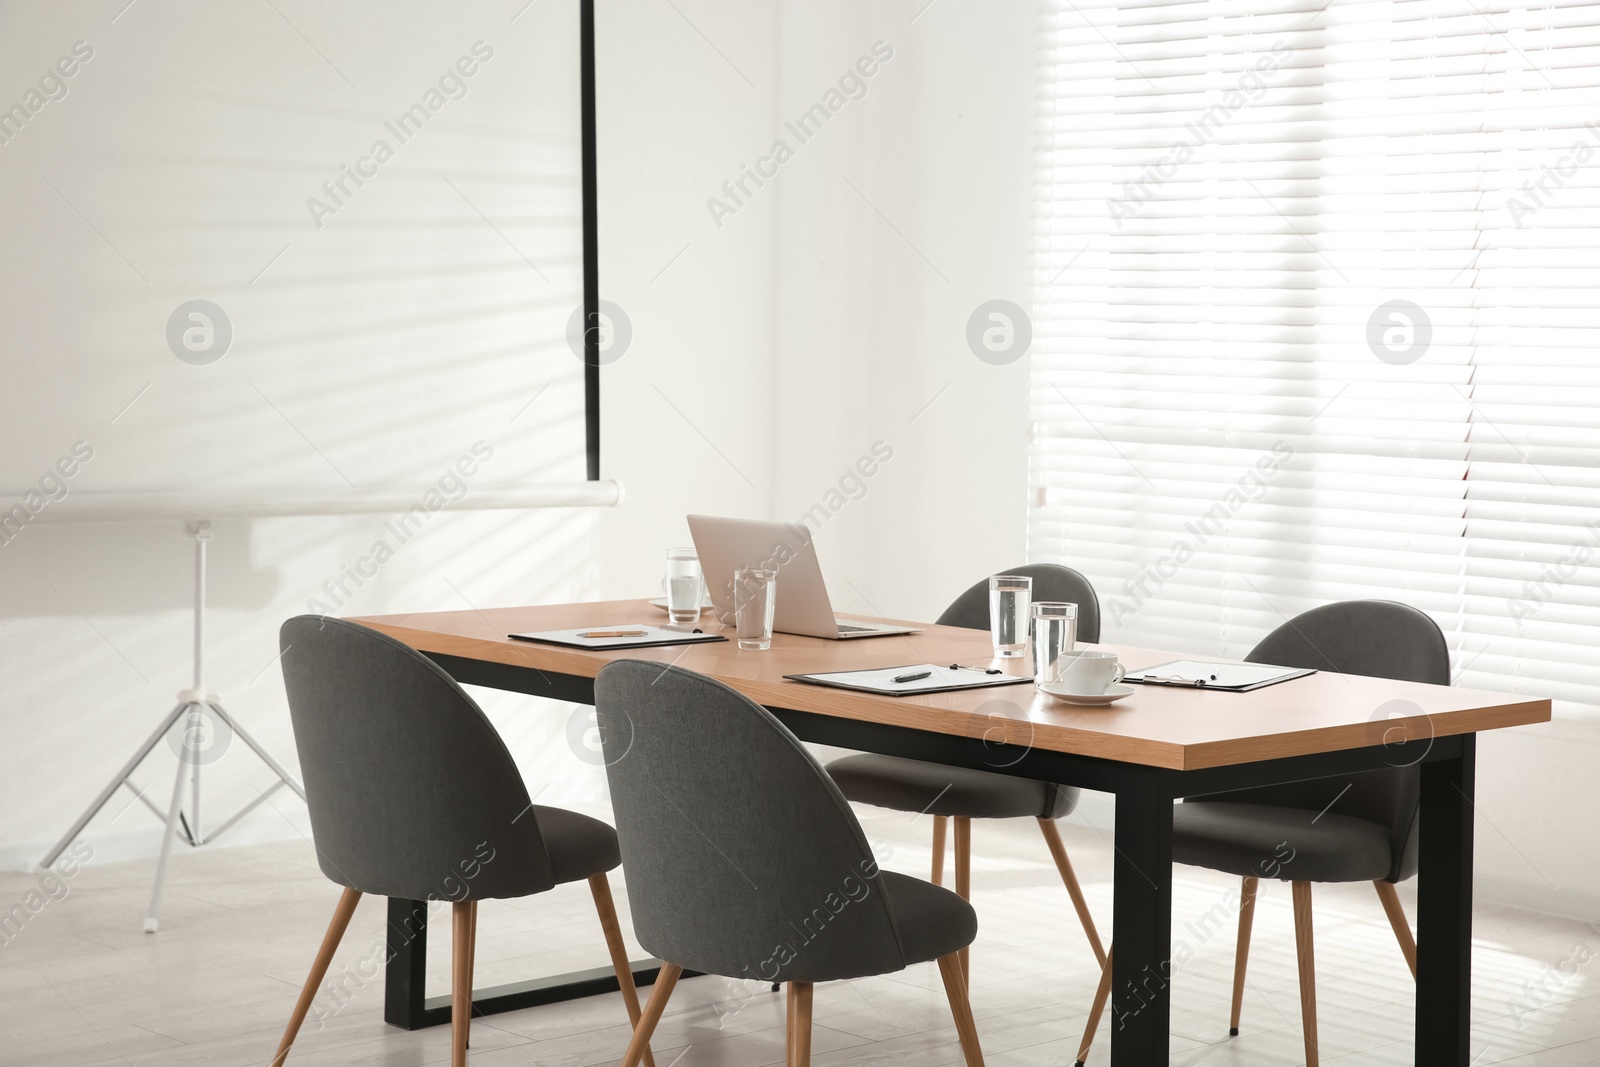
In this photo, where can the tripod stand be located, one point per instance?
(195, 706)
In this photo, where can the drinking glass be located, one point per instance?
(683, 585)
(755, 598)
(1055, 630)
(1010, 596)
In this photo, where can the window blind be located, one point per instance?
(1317, 319)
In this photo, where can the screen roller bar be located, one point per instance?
(187, 505)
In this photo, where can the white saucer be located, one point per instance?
(1110, 696)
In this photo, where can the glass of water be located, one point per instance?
(1010, 598)
(755, 598)
(1055, 630)
(683, 585)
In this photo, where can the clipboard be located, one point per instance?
(1228, 677)
(653, 637)
(880, 680)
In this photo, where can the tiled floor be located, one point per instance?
(81, 985)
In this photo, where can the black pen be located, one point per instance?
(913, 677)
(1193, 683)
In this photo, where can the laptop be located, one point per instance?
(725, 545)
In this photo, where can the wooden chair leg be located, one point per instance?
(606, 908)
(788, 1028)
(460, 981)
(1241, 952)
(1058, 851)
(955, 988)
(1397, 920)
(1308, 976)
(472, 960)
(1102, 994)
(963, 836)
(319, 969)
(939, 822)
(651, 1014)
(798, 1030)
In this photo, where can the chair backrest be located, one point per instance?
(411, 790)
(1375, 638)
(741, 856)
(1051, 581)
(1378, 639)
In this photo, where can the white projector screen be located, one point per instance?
(289, 245)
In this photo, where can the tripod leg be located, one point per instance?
(172, 828)
(116, 783)
(197, 836)
(258, 750)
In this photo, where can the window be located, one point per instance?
(1317, 319)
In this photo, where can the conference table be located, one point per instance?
(1148, 750)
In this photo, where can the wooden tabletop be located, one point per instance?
(1182, 729)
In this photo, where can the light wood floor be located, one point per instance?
(81, 985)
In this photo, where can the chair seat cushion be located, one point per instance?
(931, 921)
(580, 847)
(1289, 844)
(936, 789)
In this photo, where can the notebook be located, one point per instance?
(639, 636)
(1230, 677)
(881, 680)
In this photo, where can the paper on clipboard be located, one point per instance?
(1229, 677)
(940, 679)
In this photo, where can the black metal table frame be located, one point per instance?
(1142, 891)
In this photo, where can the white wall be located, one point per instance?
(908, 210)
(687, 410)
(1537, 799)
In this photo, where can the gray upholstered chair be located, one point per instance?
(413, 795)
(743, 860)
(964, 794)
(1360, 828)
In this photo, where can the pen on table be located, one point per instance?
(915, 677)
(613, 633)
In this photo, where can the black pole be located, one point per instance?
(591, 246)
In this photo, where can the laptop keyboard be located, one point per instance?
(846, 628)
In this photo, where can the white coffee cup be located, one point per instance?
(1085, 672)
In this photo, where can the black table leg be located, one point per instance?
(1444, 908)
(406, 1004)
(1141, 925)
(406, 972)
